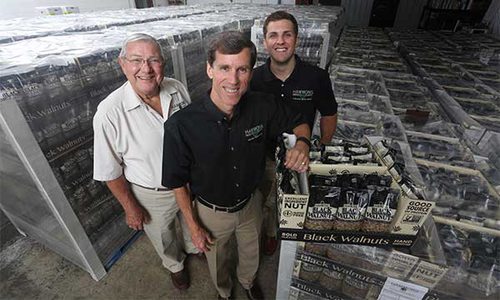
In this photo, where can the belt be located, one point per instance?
(231, 209)
(162, 189)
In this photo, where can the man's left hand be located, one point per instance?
(297, 158)
(201, 239)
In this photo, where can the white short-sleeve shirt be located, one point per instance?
(128, 134)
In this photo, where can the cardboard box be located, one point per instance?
(410, 215)
(50, 10)
(70, 10)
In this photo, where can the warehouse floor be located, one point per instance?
(30, 271)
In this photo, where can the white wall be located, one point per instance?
(191, 2)
(26, 8)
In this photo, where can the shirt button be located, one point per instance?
(235, 168)
(218, 122)
(282, 85)
(232, 148)
(282, 95)
(237, 185)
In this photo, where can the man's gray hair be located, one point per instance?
(139, 37)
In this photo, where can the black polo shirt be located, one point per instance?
(306, 90)
(221, 159)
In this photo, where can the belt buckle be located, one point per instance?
(224, 209)
(239, 205)
(221, 208)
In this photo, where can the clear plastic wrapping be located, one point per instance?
(450, 261)
(439, 163)
(466, 87)
(397, 156)
(440, 148)
(367, 48)
(459, 192)
(355, 131)
(472, 258)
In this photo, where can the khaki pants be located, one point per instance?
(270, 209)
(246, 225)
(161, 231)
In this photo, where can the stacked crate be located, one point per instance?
(453, 92)
(465, 84)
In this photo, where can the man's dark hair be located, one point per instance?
(278, 16)
(230, 42)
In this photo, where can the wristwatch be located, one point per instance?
(305, 140)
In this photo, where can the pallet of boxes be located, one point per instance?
(355, 217)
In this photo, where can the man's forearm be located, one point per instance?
(302, 130)
(327, 125)
(200, 237)
(135, 214)
(121, 190)
(183, 198)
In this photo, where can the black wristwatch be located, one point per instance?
(305, 140)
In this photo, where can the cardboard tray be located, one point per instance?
(410, 215)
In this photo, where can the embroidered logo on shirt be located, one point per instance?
(302, 95)
(254, 132)
(177, 104)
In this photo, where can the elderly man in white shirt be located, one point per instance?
(128, 147)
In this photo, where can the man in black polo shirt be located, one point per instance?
(217, 146)
(303, 87)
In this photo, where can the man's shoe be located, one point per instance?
(255, 293)
(180, 279)
(270, 245)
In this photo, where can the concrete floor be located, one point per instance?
(30, 271)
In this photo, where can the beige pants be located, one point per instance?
(270, 209)
(161, 231)
(246, 225)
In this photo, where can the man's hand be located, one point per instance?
(297, 158)
(201, 239)
(136, 216)
(199, 236)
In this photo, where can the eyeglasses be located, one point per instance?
(138, 62)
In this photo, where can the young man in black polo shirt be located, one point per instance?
(303, 87)
(217, 146)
